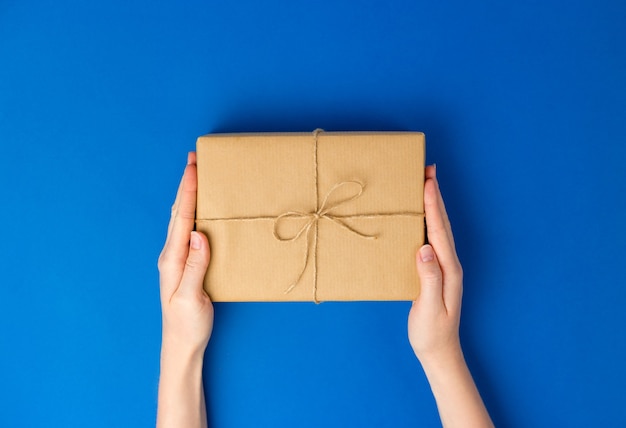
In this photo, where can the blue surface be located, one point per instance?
(524, 109)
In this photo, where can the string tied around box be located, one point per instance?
(324, 210)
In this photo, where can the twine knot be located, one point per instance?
(313, 218)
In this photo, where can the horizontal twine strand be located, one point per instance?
(347, 216)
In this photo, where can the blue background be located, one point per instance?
(524, 109)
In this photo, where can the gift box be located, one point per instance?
(311, 216)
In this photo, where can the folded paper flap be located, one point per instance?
(342, 272)
(264, 175)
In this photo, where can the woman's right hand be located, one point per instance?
(434, 317)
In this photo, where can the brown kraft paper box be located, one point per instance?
(316, 216)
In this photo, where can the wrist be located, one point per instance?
(180, 352)
(181, 369)
(442, 361)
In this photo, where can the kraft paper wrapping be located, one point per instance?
(311, 216)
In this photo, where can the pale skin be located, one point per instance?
(434, 319)
(433, 323)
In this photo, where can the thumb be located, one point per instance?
(430, 276)
(196, 264)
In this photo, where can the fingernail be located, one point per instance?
(196, 242)
(435, 168)
(426, 253)
(189, 158)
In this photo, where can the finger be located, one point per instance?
(191, 160)
(195, 266)
(182, 221)
(429, 171)
(172, 259)
(442, 207)
(439, 234)
(174, 209)
(431, 278)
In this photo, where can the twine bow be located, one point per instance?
(324, 211)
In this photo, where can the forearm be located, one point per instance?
(181, 393)
(458, 400)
